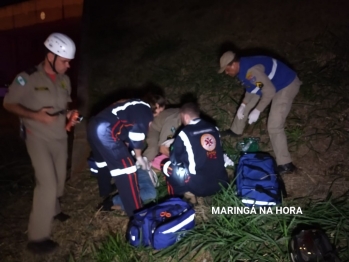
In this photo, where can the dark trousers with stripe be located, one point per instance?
(119, 165)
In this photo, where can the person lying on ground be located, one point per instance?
(162, 129)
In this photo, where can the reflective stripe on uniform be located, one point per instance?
(101, 164)
(190, 152)
(273, 69)
(203, 131)
(123, 107)
(255, 90)
(165, 168)
(123, 171)
(136, 136)
(94, 170)
(270, 76)
(260, 203)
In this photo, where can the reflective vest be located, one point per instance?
(278, 73)
(198, 148)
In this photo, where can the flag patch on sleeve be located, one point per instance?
(20, 80)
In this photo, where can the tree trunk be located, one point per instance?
(81, 147)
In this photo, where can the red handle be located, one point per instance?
(73, 117)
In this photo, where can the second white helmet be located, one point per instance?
(61, 45)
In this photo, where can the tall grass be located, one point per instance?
(115, 249)
(262, 237)
(243, 237)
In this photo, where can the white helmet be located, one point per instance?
(61, 45)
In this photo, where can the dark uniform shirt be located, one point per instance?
(264, 76)
(128, 121)
(198, 148)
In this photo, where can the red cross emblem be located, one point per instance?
(208, 142)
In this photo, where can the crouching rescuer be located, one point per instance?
(266, 81)
(112, 134)
(196, 164)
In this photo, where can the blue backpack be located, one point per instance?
(257, 181)
(161, 225)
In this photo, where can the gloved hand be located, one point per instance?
(227, 161)
(142, 163)
(253, 117)
(241, 110)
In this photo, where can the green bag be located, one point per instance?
(249, 145)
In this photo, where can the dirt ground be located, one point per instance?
(319, 169)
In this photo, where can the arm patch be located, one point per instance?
(259, 85)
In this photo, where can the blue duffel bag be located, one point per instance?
(161, 225)
(257, 182)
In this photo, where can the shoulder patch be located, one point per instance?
(63, 84)
(250, 77)
(259, 84)
(20, 80)
(208, 142)
(31, 70)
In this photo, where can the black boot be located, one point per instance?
(286, 168)
(107, 204)
(42, 247)
(61, 217)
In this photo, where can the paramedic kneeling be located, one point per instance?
(196, 165)
(111, 133)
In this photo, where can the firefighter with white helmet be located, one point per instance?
(40, 97)
(61, 46)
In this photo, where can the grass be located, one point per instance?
(116, 249)
(294, 136)
(265, 237)
(160, 46)
(229, 237)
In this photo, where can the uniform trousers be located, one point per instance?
(49, 159)
(280, 108)
(114, 160)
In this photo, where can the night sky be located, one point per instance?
(10, 2)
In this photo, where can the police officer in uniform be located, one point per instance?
(196, 165)
(113, 134)
(39, 96)
(163, 128)
(266, 80)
